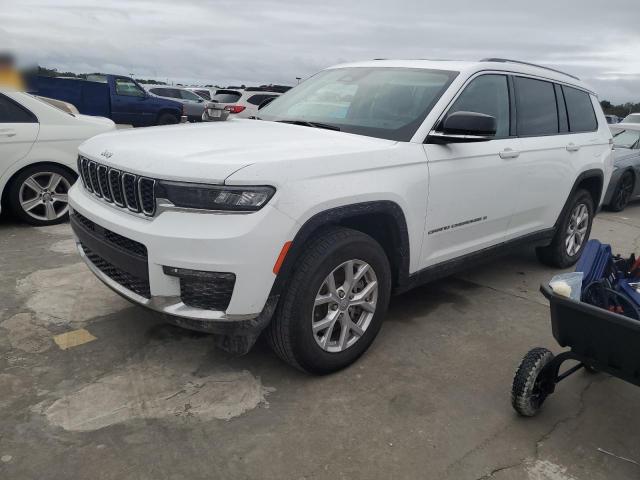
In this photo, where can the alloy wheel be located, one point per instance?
(344, 306)
(44, 196)
(577, 229)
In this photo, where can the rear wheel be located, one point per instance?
(622, 193)
(334, 303)
(39, 194)
(527, 394)
(572, 234)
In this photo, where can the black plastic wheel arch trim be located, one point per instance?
(335, 216)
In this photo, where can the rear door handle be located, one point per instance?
(572, 147)
(7, 133)
(509, 153)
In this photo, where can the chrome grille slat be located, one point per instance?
(121, 189)
(93, 178)
(103, 182)
(130, 191)
(115, 184)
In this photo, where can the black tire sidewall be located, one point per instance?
(14, 193)
(618, 208)
(307, 352)
(164, 119)
(581, 196)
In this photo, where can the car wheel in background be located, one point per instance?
(572, 234)
(622, 193)
(167, 119)
(39, 194)
(334, 302)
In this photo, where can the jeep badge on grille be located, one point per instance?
(106, 154)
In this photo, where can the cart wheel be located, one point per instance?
(526, 394)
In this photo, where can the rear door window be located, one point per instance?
(536, 107)
(582, 117)
(227, 96)
(488, 94)
(11, 112)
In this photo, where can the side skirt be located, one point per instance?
(450, 267)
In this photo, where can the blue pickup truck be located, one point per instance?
(119, 98)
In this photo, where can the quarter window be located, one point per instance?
(536, 107)
(11, 112)
(488, 94)
(582, 118)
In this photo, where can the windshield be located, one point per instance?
(380, 102)
(626, 139)
(633, 118)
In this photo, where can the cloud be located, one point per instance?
(264, 41)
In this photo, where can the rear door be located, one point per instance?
(472, 185)
(544, 167)
(18, 131)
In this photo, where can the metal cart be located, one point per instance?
(598, 340)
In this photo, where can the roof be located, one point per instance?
(471, 67)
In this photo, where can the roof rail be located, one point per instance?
(506, 60)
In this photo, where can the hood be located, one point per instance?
(100, 122)
(622, 153)
(210, 152)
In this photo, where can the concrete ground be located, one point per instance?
(126, 396)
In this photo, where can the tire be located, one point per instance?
(38, 194)
(167, 119)
(526, 397)
(325, 350)
(622, 193)
(562, 252)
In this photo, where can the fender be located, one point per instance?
(593, 173)
(335, 216)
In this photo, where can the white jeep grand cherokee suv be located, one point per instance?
(363, 181)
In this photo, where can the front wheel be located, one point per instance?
(622, 193)
(334, 303)
(167, 119)
(572, 234)
(39, 194)
(527, 391)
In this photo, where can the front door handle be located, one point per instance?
(509, 153)
(7, 133)
(572, 147)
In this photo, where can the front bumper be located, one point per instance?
(246, 246)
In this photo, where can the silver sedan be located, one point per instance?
(624, 185)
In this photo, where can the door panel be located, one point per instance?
(471, 185)
(18, 131)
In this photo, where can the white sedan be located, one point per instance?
(38, 155)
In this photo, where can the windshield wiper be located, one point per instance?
(304, 123)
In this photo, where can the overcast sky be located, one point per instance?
(274, 41)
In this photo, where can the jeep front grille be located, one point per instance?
(122, 189)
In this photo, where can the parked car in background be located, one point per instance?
(612, 119)
(366, 179)
(624, 185)
(193, 105)
(631, 118)
(116, 97)
(245, 103)
(203, 92)
(38, 155)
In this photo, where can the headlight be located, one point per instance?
(214, 197)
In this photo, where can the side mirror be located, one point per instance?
(266, 102)
(464, 127)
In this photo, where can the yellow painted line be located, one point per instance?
(73, 338)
